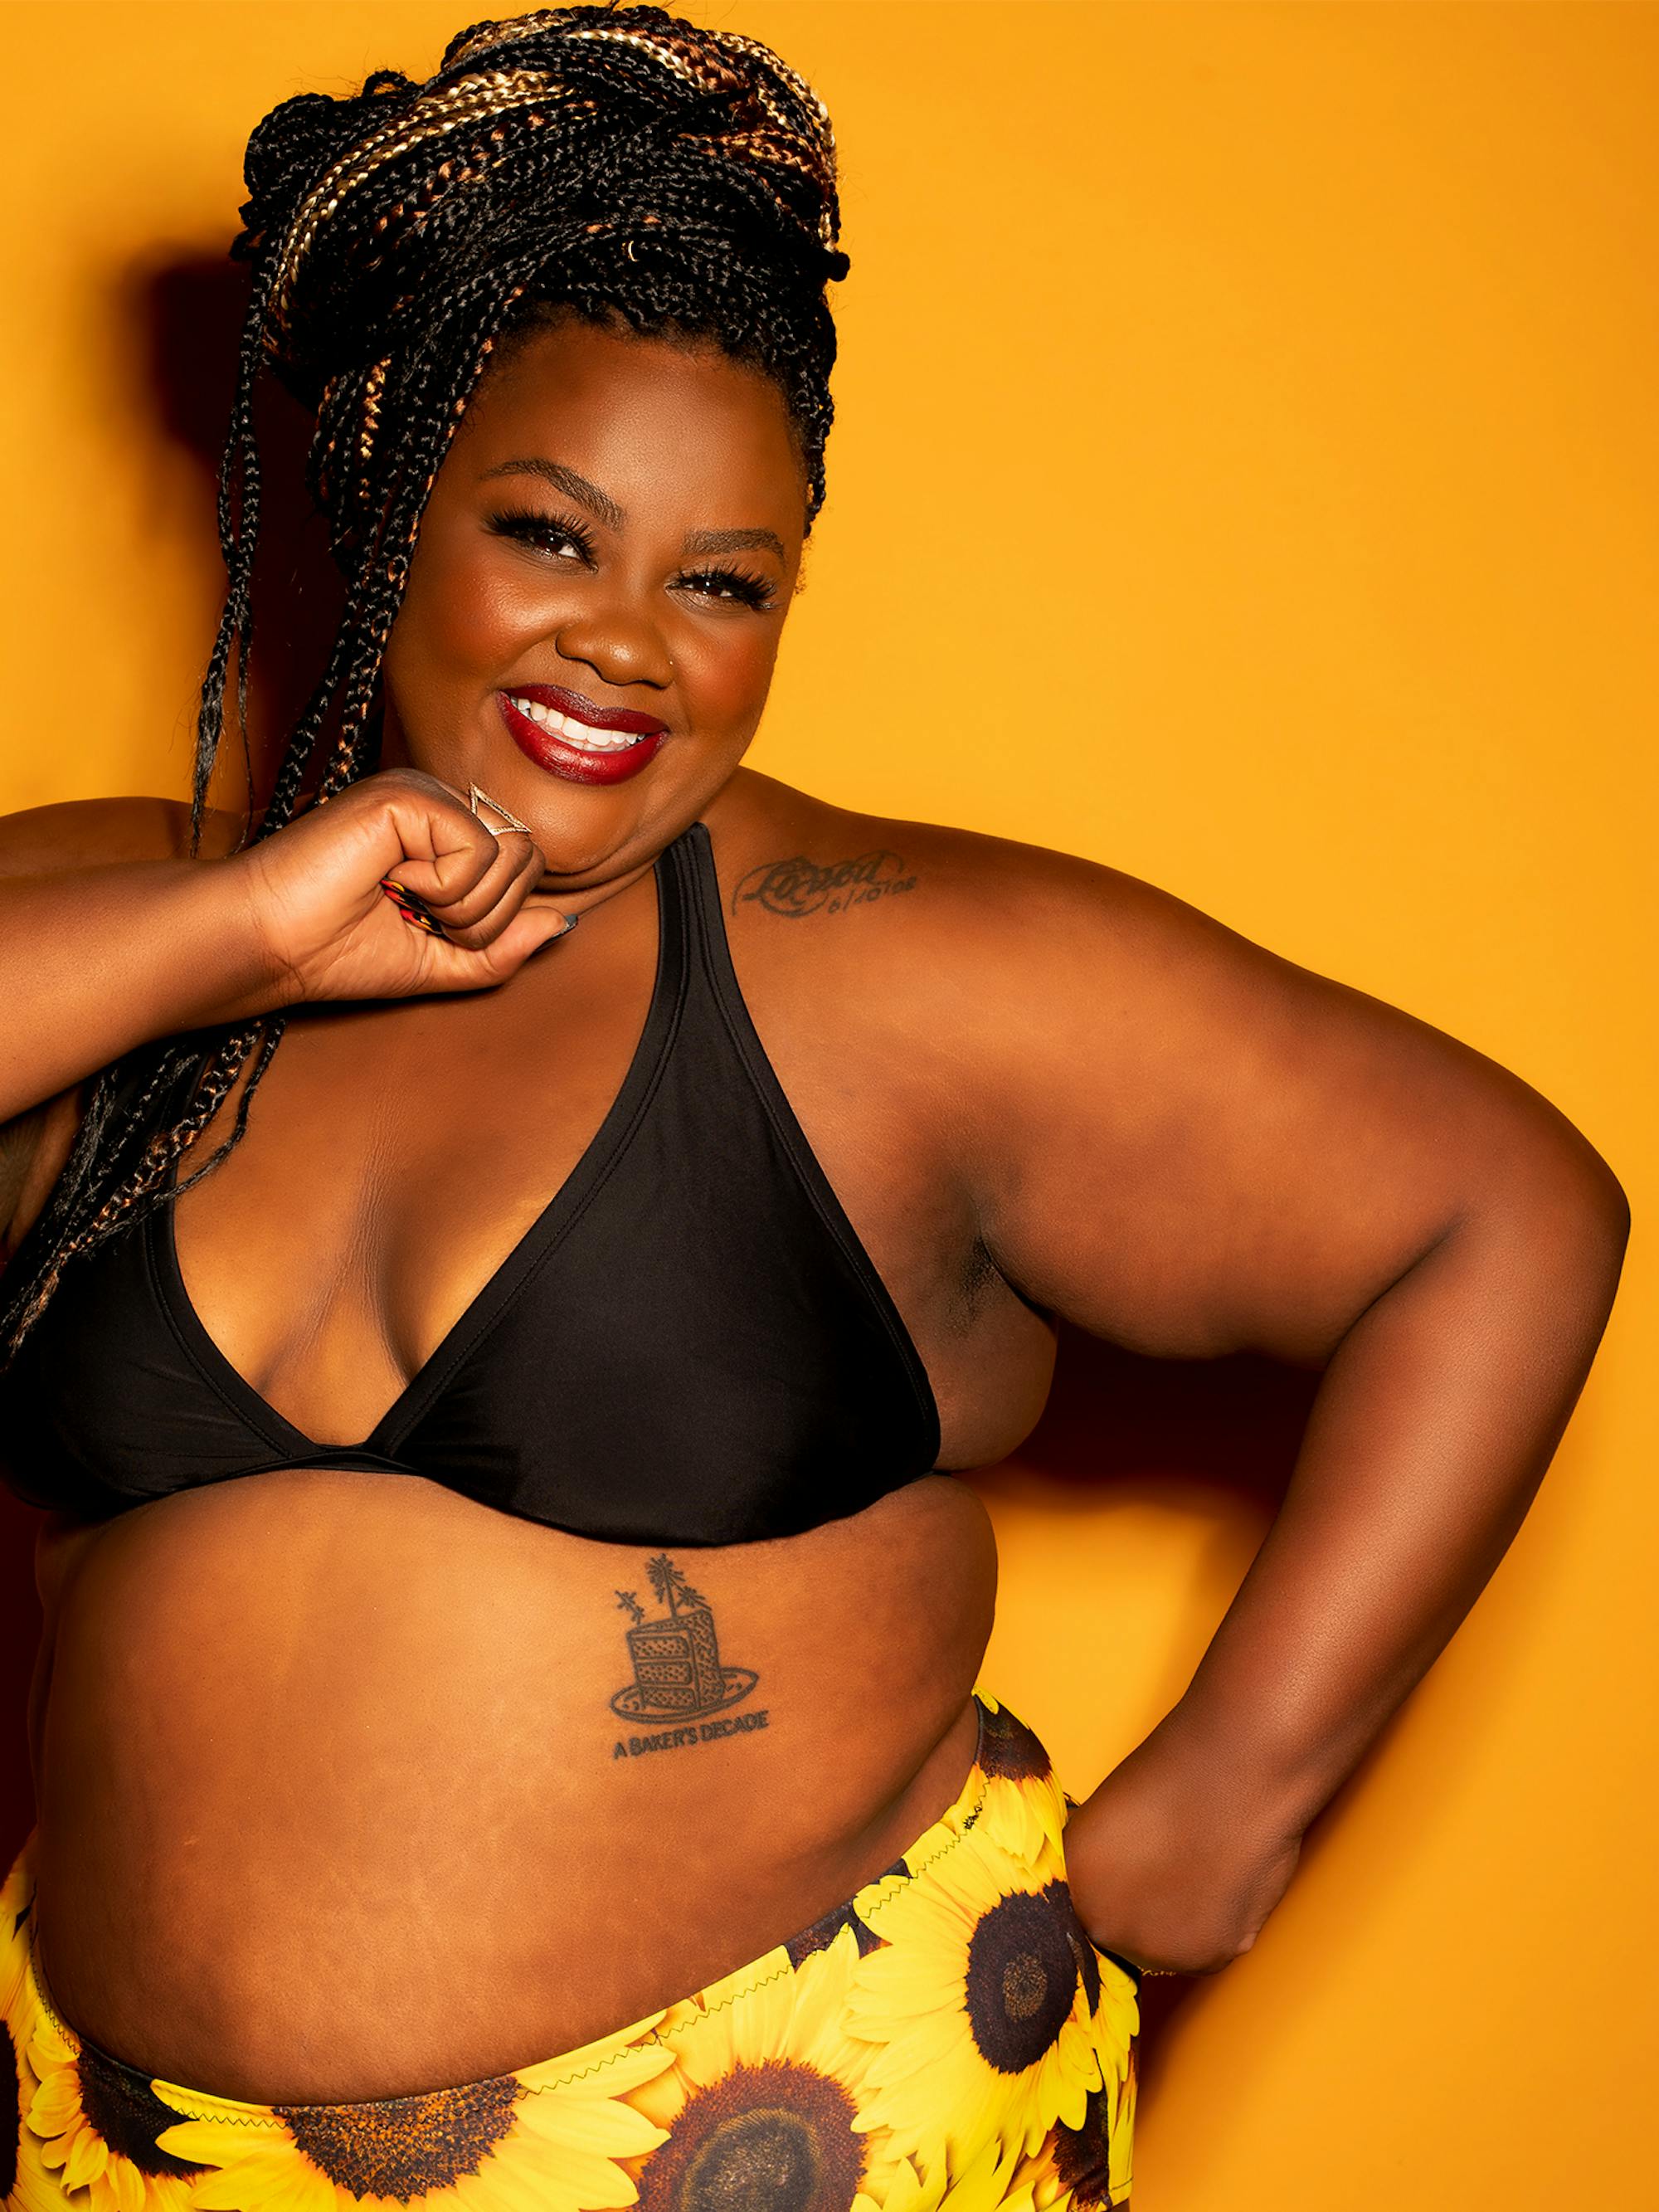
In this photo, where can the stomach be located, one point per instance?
(350, 1787)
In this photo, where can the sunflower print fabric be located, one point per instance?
(948, 2040)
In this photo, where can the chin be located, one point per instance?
(589, 834)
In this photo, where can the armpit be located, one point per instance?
(35, 1148)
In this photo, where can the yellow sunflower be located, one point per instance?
(15, 1899)
(989, 2185)
(762, 2104)
(25, 2183)
(550, 2136)
(981, 2002)
(97, 2122)
(1024, 1807)
(1092, 2165)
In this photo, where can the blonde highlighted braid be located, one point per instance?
(617, 163)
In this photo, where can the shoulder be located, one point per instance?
(798, 855)
(963, 929)
(1062, 1005)
(84, 833)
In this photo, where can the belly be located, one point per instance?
(350, 1786)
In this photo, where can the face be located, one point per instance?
(597, 590)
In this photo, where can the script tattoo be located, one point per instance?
(798, 886)
(679, 1673)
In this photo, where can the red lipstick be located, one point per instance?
(639, 736)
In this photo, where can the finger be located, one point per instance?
(509, 900)
(449, 967)
(494, 905)
(413, 908)
(528, 930)
(447, 851)
(473, 907)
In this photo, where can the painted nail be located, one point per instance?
(413, 907)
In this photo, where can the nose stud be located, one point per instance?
(495, 807)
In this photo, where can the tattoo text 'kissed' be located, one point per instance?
(798, 887)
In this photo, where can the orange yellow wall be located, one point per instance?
(1259, 399)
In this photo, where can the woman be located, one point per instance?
(506, 1729)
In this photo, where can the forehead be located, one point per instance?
(660, 427)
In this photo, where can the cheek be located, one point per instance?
(461, 616)
(724, 678)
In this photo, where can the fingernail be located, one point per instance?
(413, 907)
(570, 921)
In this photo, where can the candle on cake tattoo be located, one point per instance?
(678, 1674)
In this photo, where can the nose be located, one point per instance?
(620, 642)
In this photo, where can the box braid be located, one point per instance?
(616, 164)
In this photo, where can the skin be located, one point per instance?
(1040, 1089)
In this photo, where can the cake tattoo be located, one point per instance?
(678, 1675)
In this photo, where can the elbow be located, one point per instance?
(1564, 1202)
(1595, 1196)
(1608, 1226)
(1613, 1208)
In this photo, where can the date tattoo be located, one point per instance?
(797, 887)
(679, 1676)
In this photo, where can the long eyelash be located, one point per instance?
(530, 523)
(753, 591)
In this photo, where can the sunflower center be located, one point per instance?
(122, 2108)
(776, 2137)
(405, 2147)
(760, 2158)
(1024, 1985)
(1022, 1980)
(1008, 1748)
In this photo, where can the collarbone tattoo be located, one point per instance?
(797, 887)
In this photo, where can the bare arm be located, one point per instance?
(111, 935)
(1194, 1148)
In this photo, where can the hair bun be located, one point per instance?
(733, 91)
(564, 136)
(293, 145)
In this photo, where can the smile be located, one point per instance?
(612, 747)
(572, 731)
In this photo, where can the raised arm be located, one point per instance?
(112, 934)
(1193, 1147)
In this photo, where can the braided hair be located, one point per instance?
(616, 164)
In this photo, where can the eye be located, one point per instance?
(732, 584)
(549, 532)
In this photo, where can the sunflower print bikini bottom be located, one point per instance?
(948, 2040)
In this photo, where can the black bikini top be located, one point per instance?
(690, 1345)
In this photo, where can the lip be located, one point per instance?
(569, 762)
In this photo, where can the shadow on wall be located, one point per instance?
(182, 322)
(186, 321)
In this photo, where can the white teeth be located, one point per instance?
(574, 733)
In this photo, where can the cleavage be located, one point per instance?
(395, 1157)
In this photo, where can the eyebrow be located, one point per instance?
(598, 504)
(604, 510)
(732, 541)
